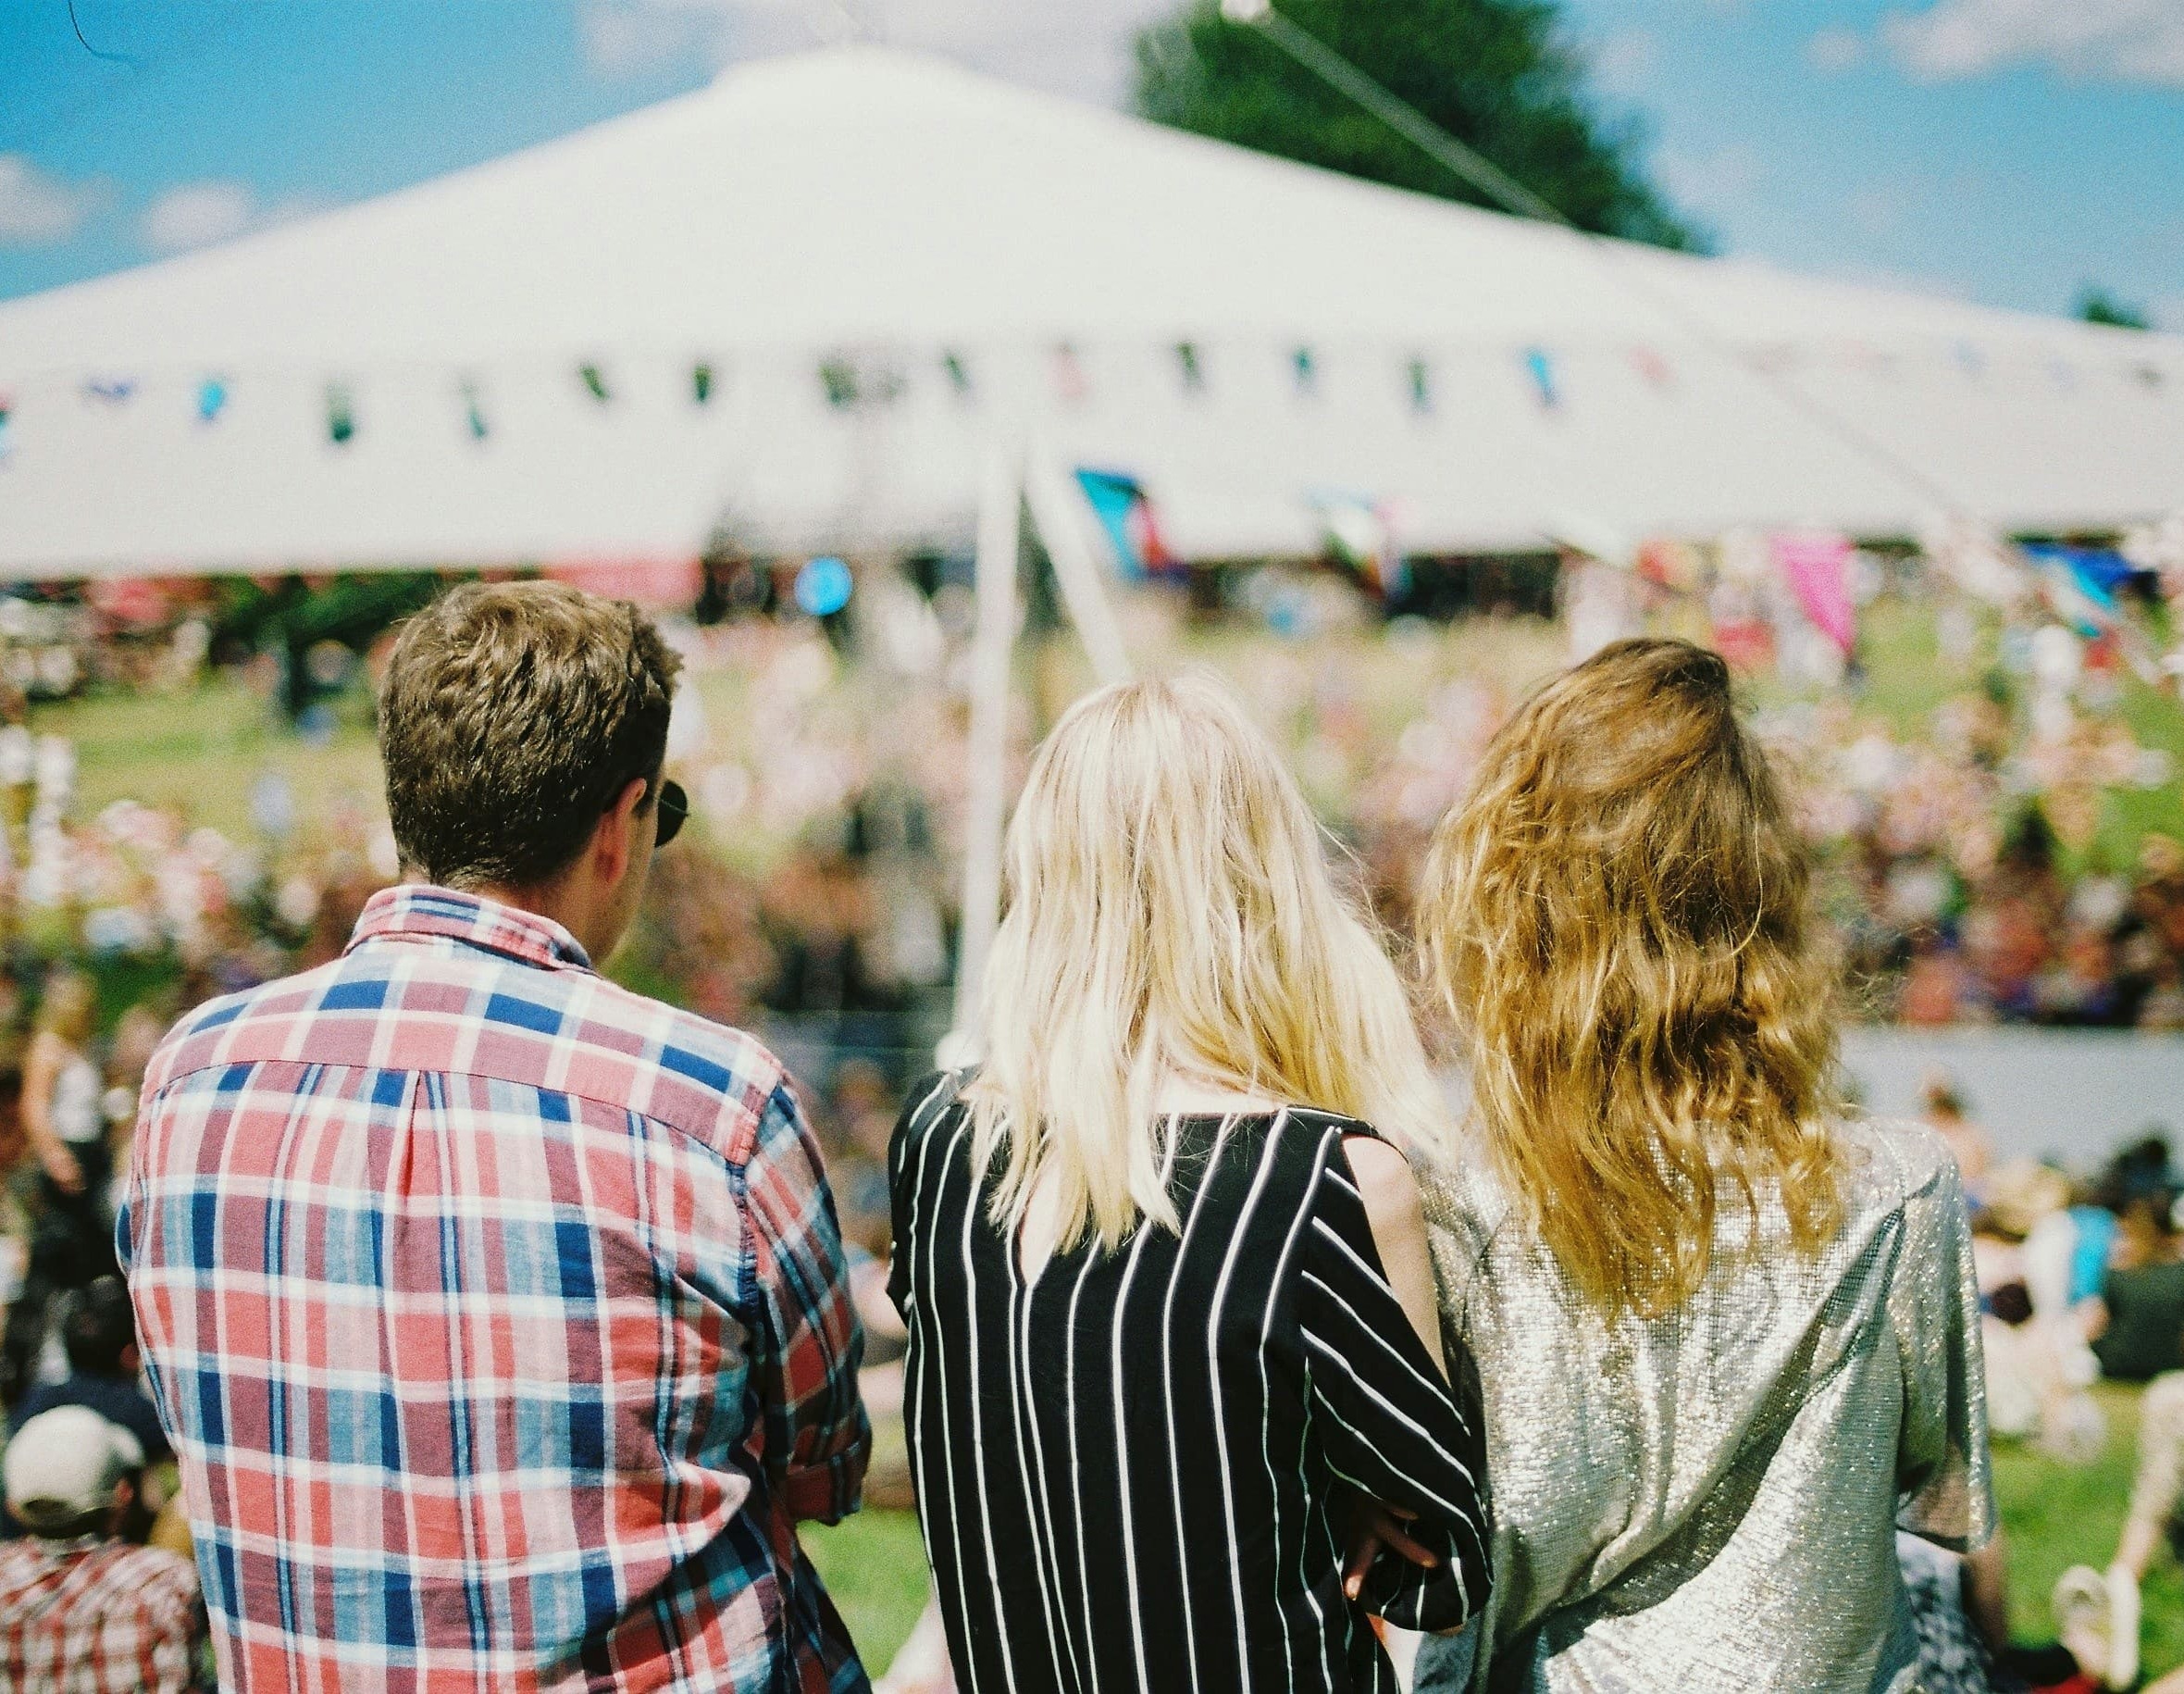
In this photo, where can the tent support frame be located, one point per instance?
(1018, 479)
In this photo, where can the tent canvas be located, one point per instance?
(979, 263)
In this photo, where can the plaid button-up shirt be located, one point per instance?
(97, 1616)
(500, 1320)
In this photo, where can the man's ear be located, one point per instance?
(613, 845)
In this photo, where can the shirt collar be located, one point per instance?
(416, 910)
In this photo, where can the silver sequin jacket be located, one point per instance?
(1709, 1500)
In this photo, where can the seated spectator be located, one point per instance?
(81, 1609)
(99, 1330)
(1943, 1113)
(2138, 1332)
(1960, 1611)
(2042, 1268)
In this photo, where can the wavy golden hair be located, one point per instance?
(1616, 918)
(1171, 911)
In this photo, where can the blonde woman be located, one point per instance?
(1172, 1340)
(64, 1121)
(1728, 1334)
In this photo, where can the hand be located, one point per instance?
(68, 1176)
(1375, 1525)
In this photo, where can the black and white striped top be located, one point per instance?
(1132, 1472)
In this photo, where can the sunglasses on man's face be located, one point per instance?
(675, 811)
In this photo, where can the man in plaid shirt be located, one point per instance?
(82, 1609)
(499, 1316)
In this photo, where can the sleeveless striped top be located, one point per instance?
(1132, 1472)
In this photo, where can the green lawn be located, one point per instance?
(1907, 677)
(2055, 1515)
(199, 750)
(874, 1566)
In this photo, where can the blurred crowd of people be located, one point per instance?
(1965, 870)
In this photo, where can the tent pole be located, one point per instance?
(1077, 569)
(992, 646)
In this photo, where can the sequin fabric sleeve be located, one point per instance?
(1944, 1472)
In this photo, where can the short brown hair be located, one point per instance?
(1618, 918)
(511, 715)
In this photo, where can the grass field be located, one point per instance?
(198, 752)
(874, 1565)
(2056, 1516)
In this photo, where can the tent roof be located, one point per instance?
(892, 208)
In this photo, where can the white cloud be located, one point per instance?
(1623, 62)
(39, 209)
(2131, 41)
(197, 214)
(1838, 47)
(1081, 48)
(629, 37)
(1717, 181)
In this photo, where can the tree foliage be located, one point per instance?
(1493, 73)
(2098, 305)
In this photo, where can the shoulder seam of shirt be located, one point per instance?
(739, 1118)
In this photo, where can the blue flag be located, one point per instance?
(1125, 511)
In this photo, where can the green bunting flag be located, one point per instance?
(340, 414)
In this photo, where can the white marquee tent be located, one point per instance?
(1483, 379)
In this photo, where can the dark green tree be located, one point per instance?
(1496, 74)
(2096, 304)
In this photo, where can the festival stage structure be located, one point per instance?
(806, 307)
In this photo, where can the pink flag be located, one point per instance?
(1817, 566)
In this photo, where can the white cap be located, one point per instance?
(61, 1467)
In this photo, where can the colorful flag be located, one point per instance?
(1125, 511)
(211, 399)
(701, 384)
(113, 391)
(1361, 533)
(595, 382)
(1068, 374)
(2079, 583)
(1817, 566)
(474, 412)
(340, 414)
(1421, 386)
(1653, 368)
(1539, 365)
(7, 412)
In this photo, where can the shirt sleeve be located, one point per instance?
(928, 1098)
(817, 1435)
(1387, 1420)
(1944, 1473)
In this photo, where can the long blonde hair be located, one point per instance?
(1171, 910)
(1617, 919)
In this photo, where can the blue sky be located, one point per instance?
(2007, 151)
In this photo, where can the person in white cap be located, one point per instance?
(81, 1608)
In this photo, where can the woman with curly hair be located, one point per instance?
(1728, 1332)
